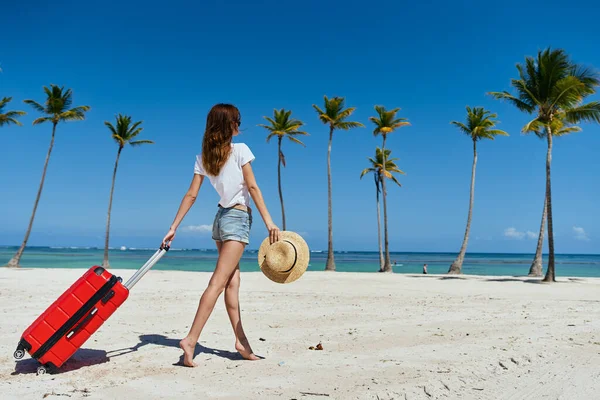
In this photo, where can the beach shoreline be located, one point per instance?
(493, 264)
(384, 336)
(126, 272)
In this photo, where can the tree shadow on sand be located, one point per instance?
(481, 278)
(162, 340)
(81, 359)
(436, 276)
(515, 279)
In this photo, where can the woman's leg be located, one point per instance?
(232, 303)
(229, 257)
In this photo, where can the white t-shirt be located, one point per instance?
(230, 182)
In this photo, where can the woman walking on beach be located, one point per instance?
(227, 166)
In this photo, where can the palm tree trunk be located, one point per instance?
(536, 265)
(330, 265)
(105, 263)
(456, 267)
(377, 180)
(387, 265)
(279, 182)
(550, 274)
(14, 262)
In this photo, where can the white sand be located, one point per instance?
(384, 337)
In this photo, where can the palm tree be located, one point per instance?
(380, 170)
(283, 126)
(551, 85)
(480, 125)
(335, 115)
(385, 124)
(123, 134)
(559, 128)
(56, 109)
(10, 117)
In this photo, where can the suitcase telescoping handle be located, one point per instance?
(146, 267)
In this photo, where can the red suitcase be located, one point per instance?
(70, 321)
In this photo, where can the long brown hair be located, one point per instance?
(221, 122)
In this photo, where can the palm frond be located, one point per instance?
(588, 77)
(4, 101)
(318, 109)
(526, 94)
(10, 117)
(135, 127)
(271, 121)
(271, 135)
(295, 132)
(567, 130)
(461, 126)
(111, 128)
(399, 123)
(4, 120)
(348, 125)
(72, 115)
(343, 114)
(533, 126)
(81, 109)
(140, 142)
(267, 127)
(520, 104)
(497, 132)
(558, 126)
(37, 106)
(366, 171)
(567, 92)
(42, 120)
(322, 115)
(589, 112)
(293, 139)
(133, 133)
(14, 114)
(395, 180)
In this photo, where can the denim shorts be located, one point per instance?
(232, 224)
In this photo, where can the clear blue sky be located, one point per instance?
(168, 63)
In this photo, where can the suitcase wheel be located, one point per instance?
(48, 368)
(19, 353)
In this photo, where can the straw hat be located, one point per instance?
(286, 260)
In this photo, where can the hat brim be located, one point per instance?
(302, 258)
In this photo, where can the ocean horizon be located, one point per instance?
(181, 259)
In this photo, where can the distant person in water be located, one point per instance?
(227, 166)
(424, 268)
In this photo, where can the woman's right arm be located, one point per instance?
(186, 203)
(256, 194)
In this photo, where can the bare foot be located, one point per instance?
(243, 347)
(188, 352)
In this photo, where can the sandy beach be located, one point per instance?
(383, 337)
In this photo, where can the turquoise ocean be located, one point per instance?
(573, 265)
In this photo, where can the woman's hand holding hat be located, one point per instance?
(273, 232)
(284, 260)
